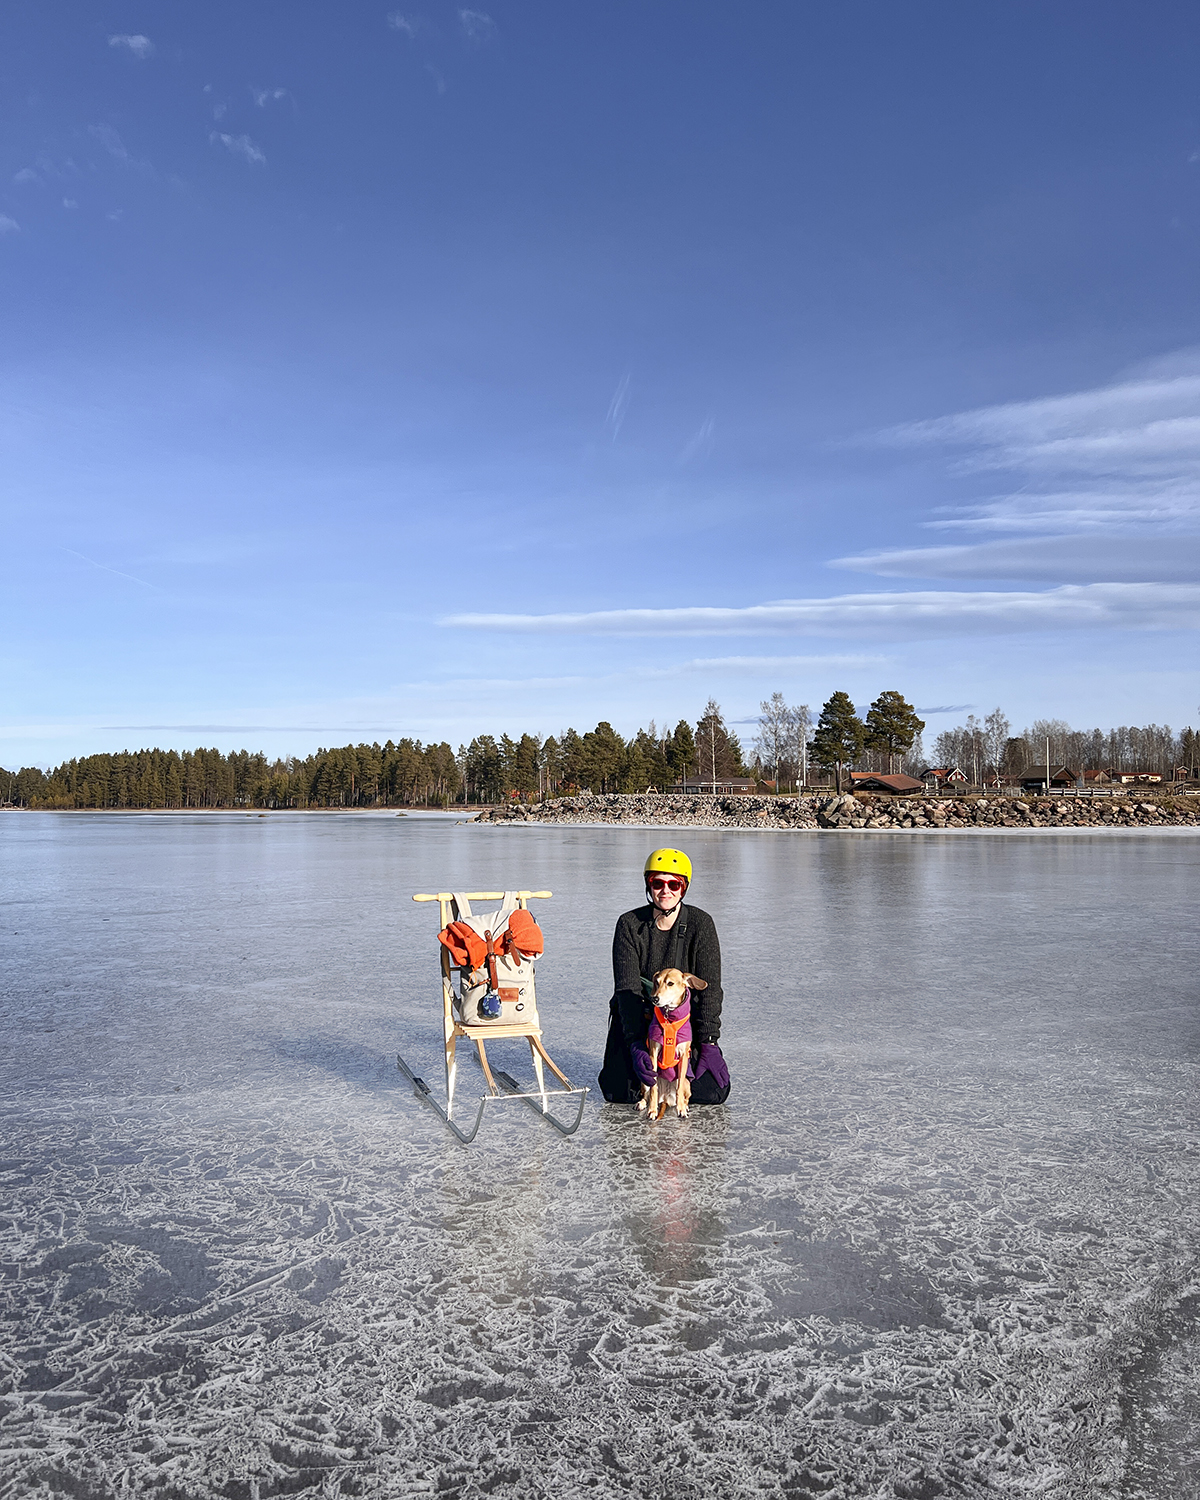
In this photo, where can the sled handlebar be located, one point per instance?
(485, 895)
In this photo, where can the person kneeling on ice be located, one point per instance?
(663, 934)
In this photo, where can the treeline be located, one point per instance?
(986, 750)
(403, 773)
(790, 749)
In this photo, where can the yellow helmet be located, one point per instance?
(670, 862)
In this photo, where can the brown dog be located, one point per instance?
(669, 1042)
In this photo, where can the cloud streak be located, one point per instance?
(699, 445)
(477, 26)
(141, 46)
(618, 406)
(104, 568)
(1050, 559)
(1142, 606)
(1119, 455)
(240, 145)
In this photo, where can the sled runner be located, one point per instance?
(493, 954)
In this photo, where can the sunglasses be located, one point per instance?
(666, 883)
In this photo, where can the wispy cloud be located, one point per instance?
(913, 615)
(1115, 456)
(141, 46)
(618, 406)
(757, 665)
(1057, 559)
(104, 568)
(247, 728)
(768, 665)
(7, 225)
(26, 174)
(240, 145)
(477, 26)
(111, 141)
(263, 97)
(409, 24)
(116, 148)
(699, 445)
(438, 81)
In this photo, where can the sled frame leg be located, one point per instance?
(483, 1063)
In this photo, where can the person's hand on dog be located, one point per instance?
(643, 1064)
(708, 1058)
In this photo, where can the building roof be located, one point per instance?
(943, 773)
(1057, 773)
(898, 783)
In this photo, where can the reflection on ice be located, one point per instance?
(942, 1240)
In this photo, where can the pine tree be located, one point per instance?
(839, 737)
(552, 765)
(681, 751)
(526, 765)
(604, 756)
(571, 758)
(892, 726)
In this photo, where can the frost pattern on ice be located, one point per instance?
(883, 1270)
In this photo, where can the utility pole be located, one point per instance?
(1047, 765)
(712, 731)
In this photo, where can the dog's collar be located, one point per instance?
(683, 1010)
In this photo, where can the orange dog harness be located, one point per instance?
(676, 1028)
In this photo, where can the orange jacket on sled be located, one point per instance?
(521, 939)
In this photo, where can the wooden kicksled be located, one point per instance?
(507, 983)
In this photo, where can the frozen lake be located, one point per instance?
(942, 1240)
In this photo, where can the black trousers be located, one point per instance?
(620, 1084)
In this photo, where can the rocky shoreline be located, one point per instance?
(861, 811)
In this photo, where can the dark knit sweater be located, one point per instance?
(640, 950)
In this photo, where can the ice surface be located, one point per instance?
(942, 1240)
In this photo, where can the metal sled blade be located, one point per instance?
(538, 1101)
(513, 1094)
(422, 1090)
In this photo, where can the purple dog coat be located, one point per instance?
(668, 1030)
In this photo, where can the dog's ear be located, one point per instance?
(693, 983)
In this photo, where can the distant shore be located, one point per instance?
(250, 812)
(861, 811)
(822, 810)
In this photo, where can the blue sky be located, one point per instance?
(432, 370)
